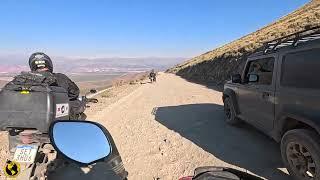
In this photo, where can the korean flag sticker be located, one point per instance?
(62, 110)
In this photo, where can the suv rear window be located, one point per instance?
(301, 69)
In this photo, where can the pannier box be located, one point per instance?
(35, 108)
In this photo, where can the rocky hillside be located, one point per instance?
(216, 66)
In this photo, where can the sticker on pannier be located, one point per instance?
(62, 110)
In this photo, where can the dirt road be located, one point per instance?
(165, 130)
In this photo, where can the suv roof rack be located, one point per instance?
(293, 39)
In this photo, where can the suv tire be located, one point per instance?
(230, 112)
(300, 151)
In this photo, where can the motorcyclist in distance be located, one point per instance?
(152, 73)
(152, 76)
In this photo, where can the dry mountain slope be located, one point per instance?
(216, 66)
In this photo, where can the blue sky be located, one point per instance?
(132, 28)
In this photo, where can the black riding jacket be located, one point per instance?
(65, 82)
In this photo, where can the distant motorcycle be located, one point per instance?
(152, 77)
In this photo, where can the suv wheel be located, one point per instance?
(300, 150)
(230, 112)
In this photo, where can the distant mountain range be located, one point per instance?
(15, 64)
(12, 68)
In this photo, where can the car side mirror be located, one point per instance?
(253, 78)
(236, 78)
(86, 143)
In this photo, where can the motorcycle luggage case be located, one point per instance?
(34, 109)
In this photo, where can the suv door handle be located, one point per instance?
(265, 95)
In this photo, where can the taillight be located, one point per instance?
(26, 138)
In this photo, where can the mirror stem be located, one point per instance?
(116, 165)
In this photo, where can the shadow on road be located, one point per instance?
(210, 85)
(242, 146)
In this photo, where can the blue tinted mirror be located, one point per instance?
(80, 141)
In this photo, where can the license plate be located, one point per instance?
(25, 153)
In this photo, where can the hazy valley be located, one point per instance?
(90, 73)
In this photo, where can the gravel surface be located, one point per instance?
(167, 129)
(3, 151)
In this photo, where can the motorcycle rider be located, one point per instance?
(41, 63)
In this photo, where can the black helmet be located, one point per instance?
(40, 60)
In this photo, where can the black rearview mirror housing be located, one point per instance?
(236, 78)
(74, 140)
